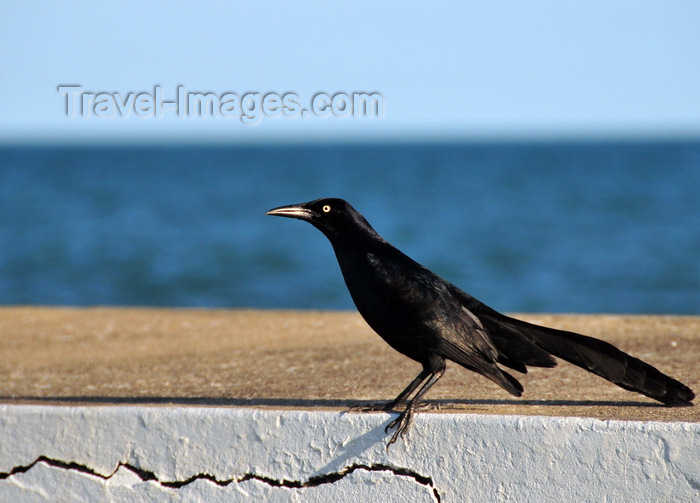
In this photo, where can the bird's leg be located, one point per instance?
(385, 407)
(406, 417)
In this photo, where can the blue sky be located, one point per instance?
(469, 70)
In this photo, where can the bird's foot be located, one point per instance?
(402, 422)
(374, 407)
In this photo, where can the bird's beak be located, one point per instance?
(296, 211)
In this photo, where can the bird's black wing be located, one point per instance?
(448, 328)
(465, 340)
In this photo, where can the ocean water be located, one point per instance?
(589, 227)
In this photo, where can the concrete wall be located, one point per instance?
(164, 453)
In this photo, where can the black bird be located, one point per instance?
(428, 319)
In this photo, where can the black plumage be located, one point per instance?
(430, 320)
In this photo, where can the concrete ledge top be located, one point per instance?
(305, 360)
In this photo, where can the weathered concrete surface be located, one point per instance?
(136, 453)
(306, 360)
(195, 405)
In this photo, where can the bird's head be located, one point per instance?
(334, 217)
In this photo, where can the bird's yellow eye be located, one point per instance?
(326, 208)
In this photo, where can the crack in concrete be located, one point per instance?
(146, 475)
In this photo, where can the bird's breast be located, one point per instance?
(393, 301)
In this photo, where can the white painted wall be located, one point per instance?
(161, 453)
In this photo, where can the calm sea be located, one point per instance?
(590, 227)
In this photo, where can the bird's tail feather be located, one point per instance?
(605, 360)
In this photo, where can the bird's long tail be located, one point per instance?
(605, 360)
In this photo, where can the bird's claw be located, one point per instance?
(373, 407)
(402, 422)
